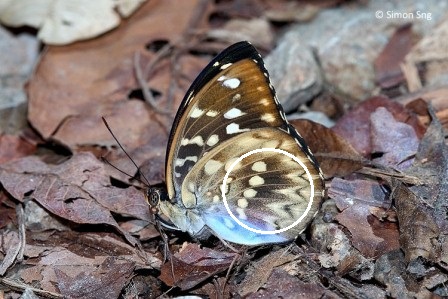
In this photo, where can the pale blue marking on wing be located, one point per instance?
(237, 233)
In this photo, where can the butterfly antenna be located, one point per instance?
(122, 148)
(116, 168)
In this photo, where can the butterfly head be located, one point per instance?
(157, 196)
(154, 195)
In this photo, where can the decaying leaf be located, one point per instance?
(282, 285)
(336, 156)
(98, 78)
(106, 281)
(61, 22)
(422, 209)
(354, 128)
(259, 273)
(13, 147)
(396, 141)
(193, 265)
(67, 189)
(387, 65)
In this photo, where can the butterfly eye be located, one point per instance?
(153, 196)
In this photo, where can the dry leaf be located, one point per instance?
(61, 22)
(193, 265)
(355, 127)
(336, 156)
(387, 65)
(67, 189)
(397, 142)
(13, 147)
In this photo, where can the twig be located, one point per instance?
(21, 287)
(147, 95)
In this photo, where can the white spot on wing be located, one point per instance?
(249, 193)
(212, 113)
(181, 162)
(234, 128)
(233, 113)
(196, 112)
(268, 117)
(242, 203)
(236, 97)
(224, 66)
(216, 63)
(231, 83)
(212, 140)
(259, 166)
(196, 140)
(256, 181)
(212, 166)
(264, 102)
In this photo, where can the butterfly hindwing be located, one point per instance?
(267, 191)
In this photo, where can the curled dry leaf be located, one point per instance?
(368, 234)
(349, 192)
(76, 255)
(396, 141)
(61, 22)
(11, 246)
(355, 128)
(336, 157)
(341, 254)
(418, 231)
(422, 209)
(194, 265)
(13, 147)
(259, 273)
(105, 281)
(67, 189)
(282, 285)
(387, 65)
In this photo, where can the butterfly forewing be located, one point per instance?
(236, 99)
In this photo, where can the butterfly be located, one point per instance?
(235, 168)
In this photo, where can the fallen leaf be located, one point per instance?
(194, 265)
(85, 84)
(336, 157)
(66, 190)
(369, 235)
(106, 281)
(418, 231)
(396, 141)
(13, 147)
(387, 65)
(348, 192)
(282, 285)
(355, 128)
(61, 22)
(259, 273)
